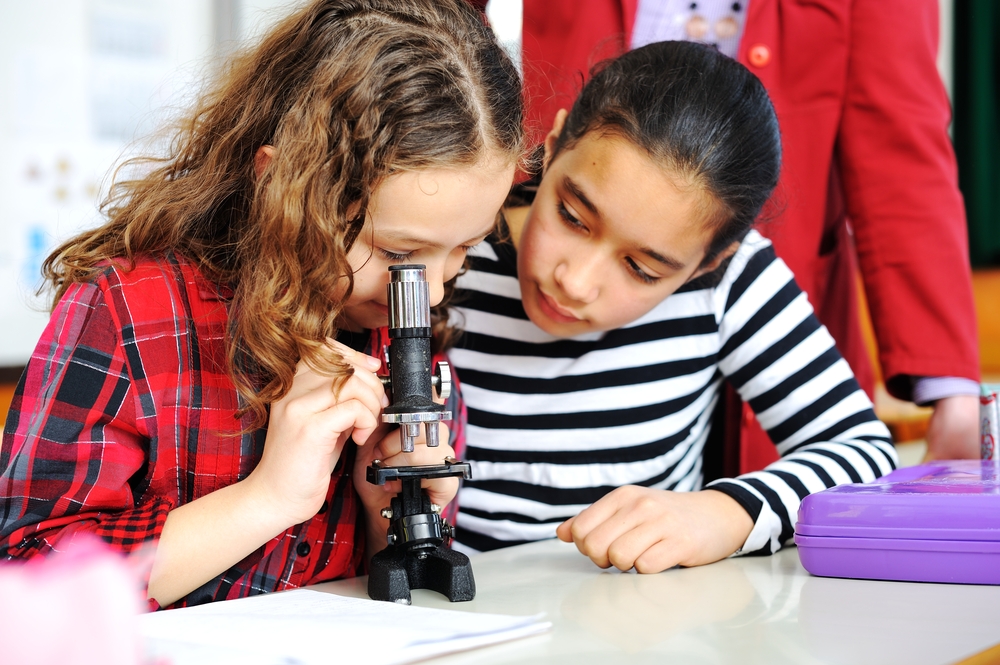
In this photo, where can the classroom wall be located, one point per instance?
(82, 81)
(83, 84)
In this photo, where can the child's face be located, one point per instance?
(431, 216)
(609, 236)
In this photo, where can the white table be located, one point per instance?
(765, 610)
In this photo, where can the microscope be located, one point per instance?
(416, 557)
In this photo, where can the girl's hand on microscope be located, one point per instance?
(307, 430)
(388, 449)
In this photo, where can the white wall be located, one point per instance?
(80, 80)
(83, 84)
(254, 17)
(945, 47)
(505, 18)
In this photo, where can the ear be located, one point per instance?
(262, 159)
(717, 261)
(552, 137)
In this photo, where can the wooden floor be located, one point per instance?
(987, 292)
(907, 422)
(6, 393)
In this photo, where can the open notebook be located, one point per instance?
(304, 627)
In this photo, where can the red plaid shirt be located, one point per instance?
(126, 411)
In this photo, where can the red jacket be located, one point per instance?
(864, 119)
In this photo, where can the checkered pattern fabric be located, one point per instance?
(126, 411)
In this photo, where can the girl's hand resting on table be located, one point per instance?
(652, 530)
(308, 428)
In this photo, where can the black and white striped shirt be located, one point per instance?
(555, 424)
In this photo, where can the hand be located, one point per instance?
(953, 432)
(307, 431)
(652, 530)
(388, 449)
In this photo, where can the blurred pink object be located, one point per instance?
(77, 606)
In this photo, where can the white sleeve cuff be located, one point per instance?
(929, 389)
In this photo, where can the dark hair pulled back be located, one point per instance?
(698, 113)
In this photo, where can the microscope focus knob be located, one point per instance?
(442, 380)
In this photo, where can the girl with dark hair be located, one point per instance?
(190, 389)
(598, 337)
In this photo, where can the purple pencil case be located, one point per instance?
(938, 522)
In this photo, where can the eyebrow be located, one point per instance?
(674, 264)
(578, 194)
(413, 240)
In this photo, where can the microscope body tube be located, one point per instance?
(410, 372)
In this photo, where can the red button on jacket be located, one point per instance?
(759, 55)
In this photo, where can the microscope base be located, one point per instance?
(394, 572)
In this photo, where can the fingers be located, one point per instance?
(321, 397)
(662, 555)
(625, 529)
(326, 408)
(608, 539)
(366, 366)
(313, 394)
(389, 450)
(361, 366)
(608, 514)
(369, 444)
(441, 490)
(392, 445)
(643, 547)
(564, 531)
(343, 417)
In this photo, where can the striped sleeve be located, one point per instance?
(784, 364)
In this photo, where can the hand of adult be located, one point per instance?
(953, 432)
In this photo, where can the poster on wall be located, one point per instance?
(85, 82)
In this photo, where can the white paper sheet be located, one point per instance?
(305, 627)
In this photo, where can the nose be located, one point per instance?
(579, 278)
(435, 282)
(443, 268)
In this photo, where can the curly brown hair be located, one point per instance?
(348, 92)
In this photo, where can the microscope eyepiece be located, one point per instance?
(409, 302)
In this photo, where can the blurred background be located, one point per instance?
(85, 82)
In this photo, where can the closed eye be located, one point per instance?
(393, 256)
(639, 273)
(568, 217)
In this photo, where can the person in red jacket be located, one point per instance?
(869, 182)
